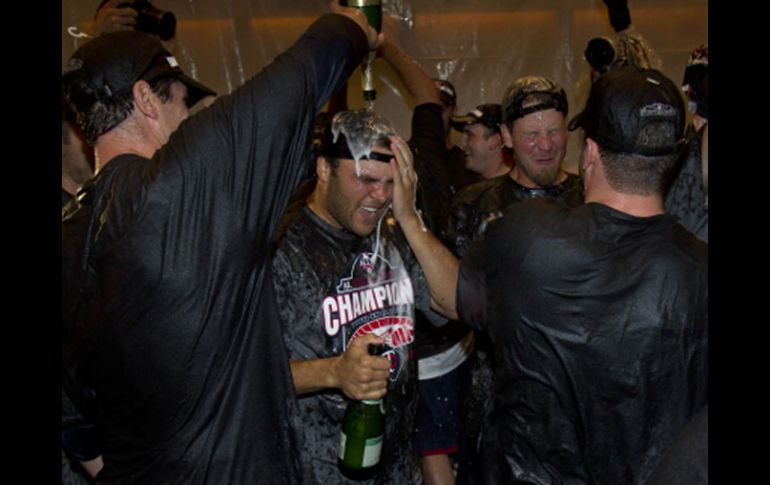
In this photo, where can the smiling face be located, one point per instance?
(353, 202)
(539, 143)
(481, 147)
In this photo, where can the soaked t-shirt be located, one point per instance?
(473, 207)
(333, 286)
(599, 322)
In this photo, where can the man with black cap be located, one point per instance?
(459, 175)
(170, 338)
(482, 142)
(532, 124)
(598, 313)
(346, 278)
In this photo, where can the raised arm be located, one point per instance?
(419, 84)
(437, 262)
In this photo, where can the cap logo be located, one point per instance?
(657, 110)
(172, 61)
(477, 113)
(653, 81)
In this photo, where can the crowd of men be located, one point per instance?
(537, 326)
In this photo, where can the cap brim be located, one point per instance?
(460, 122)
(575, 122)
(195, 90)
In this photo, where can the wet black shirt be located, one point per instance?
(332, 287)
(466, 219)
(171, 342)
(472, 207)
(600, 328)
(686, 198)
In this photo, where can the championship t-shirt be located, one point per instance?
(333, 287)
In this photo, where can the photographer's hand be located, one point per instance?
(112, 17)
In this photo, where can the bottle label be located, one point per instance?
(372, 448)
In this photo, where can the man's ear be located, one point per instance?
(323, 169)
(505, 133)
(145, 100)
(590, 153)
(495, 141)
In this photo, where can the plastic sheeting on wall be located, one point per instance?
(481, 46)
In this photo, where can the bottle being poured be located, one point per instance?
(373, 11)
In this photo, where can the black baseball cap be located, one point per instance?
(530, 94)
(110, 64)
(625, 101)
(367, 130)
(489, 115)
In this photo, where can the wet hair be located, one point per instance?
(530, 94)
(101, 117)
(355, 135)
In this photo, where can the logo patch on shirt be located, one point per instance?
(375, 297)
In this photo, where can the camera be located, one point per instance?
(600, 54)
(152, 20)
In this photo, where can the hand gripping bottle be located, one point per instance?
(373, 11)
(363, 429)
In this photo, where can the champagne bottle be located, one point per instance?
(362, 433)
(373, 11)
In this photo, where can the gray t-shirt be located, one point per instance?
(331, 288)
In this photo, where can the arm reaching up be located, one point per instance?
(437, 262)
(422, 87)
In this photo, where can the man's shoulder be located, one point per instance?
(543, 209)
(686, 244)
(477, 192)
(288, 225)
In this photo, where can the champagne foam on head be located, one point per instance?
(363, 132)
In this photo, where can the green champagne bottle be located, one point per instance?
(373, 11)
(362, 433)
(363, 429)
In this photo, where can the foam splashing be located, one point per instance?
(363, 130)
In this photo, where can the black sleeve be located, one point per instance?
(472, 291)
(247, 150)
(480, 267)
(80, 438)
(456, 232)
(461, 219)
(686, 463)
(430, 162)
